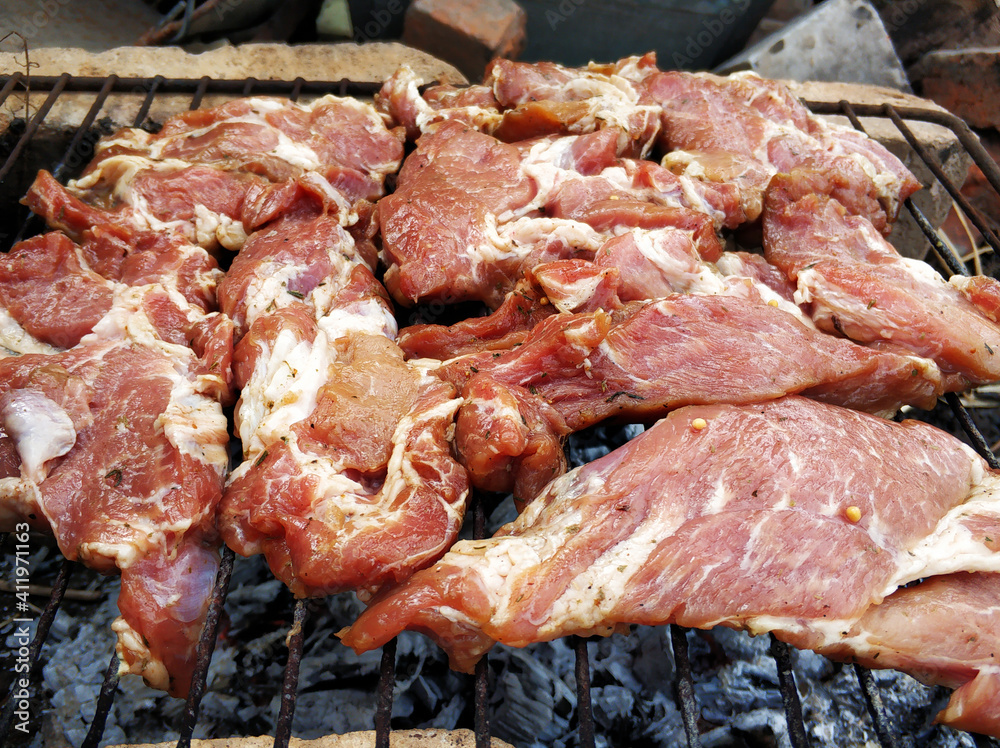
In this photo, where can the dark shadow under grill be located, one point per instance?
(18, 223)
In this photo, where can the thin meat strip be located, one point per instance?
(942, 631)
(855, 284)
(690, 523)
(118, 447)
(644, 359)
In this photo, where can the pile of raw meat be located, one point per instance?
(249, 255)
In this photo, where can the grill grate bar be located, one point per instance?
(59, 170)
(481, 685)
(956, 194)
(975, 435)
(684, 685)
(12, 81)
(383, 696)
(34, 124)
(584, 706)
(206, 647)
(945, 254)
(789, 694)
(154, 84)
(289, 688)
(222, 86)
(199, 92)
(873, 700)
(104, 702)
(34, 651)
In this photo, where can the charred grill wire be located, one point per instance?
(25, 224)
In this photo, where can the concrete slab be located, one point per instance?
(840, 40)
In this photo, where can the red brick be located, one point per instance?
(965, 81)
(465, 33)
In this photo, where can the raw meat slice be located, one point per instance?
(201, 204)
(348, 480)
(400, 99)
(743, 129)
(305, 257)
(439, 226)
(943, 630)
(543, 98)
(520, 101)
(48, 288)
(124, 462)
(647, 358)
(856, 284)
(343, 139)
(471, 215)
(688, 524)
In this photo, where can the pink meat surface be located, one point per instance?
(690, 523)
(647, 358)
(48, 288)
(857, 285)
(743, 129)
(122, 443)
(435, 224)
(348, 480)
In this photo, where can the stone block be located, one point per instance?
(963, 81)
(466, 33)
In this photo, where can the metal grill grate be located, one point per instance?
(145, 91)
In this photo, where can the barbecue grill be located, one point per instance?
(23, 156)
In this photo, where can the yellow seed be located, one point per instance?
(698, 424)
(853, 513)
(773, 302)
(543, 301)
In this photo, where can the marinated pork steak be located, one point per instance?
(201, 176)
(692, 522)
(118, 446)
(348, 479)
(854, 283)
(744, 129)
(644, 359)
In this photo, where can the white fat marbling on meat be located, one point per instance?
(547, 164)
(526, 233)
(16, 341)
(685, 274)
(365, 317)
(282, 389)
(130, 641)
(495, 246)
(119, 171)
(19, 498)
(195, 425)
(952, 546)
(268, 289)
(570, 296)
(40, 428)
(215, 228)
